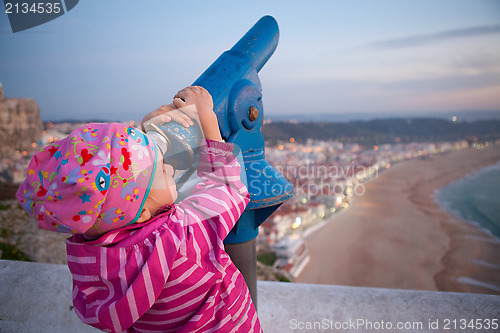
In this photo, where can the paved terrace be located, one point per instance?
(37, 298)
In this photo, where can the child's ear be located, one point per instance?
(145, 215)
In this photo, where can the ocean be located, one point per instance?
(475, 198)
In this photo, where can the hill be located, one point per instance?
(381, 131)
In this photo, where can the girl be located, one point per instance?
(141, 263)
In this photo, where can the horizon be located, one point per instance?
(464, 116)
(375, 58)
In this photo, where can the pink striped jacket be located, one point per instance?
(170, 274)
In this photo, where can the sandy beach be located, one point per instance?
(396, 236)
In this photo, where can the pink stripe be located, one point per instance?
(219, 241)
(187, 291)
(122, 273)
(210, 248)
(179, 261)
(199, 316)
(205, 240)
(109, 238)
(159, 321)
(180, 278)
(114, 317)
(186, 304)
(81, 260)
(244, 304)
(92, 289)
(104, 274)
(163, 259)
(254, 321)
(132, 305)
(220, 205)
(139, 259)
(85, 278)
(197, 249)
(221, 324)
(148, 284)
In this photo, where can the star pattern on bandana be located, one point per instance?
(52, 150)
(85, 198)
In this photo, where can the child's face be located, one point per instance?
(163, 190)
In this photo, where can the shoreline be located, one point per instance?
(397, 236)
(444, 203)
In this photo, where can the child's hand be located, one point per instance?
(166, 113)
(196, 95)
(196, 101)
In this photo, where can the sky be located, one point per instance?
(120, 59)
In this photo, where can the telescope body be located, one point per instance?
(234, 84)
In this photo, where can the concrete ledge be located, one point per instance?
(295, 307)
(37, 298)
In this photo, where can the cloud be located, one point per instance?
(425, 39)
(458, 82)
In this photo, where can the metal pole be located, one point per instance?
(244, 256)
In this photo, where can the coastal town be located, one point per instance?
(326, 175)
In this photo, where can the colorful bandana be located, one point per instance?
(93, 181)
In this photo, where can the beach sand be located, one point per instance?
(396, 236)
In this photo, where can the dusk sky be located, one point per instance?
(117, 60)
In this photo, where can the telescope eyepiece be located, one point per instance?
(161, 142)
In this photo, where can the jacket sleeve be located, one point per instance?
(220, 197)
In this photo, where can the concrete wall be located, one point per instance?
(37, 298)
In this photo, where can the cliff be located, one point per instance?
(20, 124)
(21, 239)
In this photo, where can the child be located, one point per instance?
(141, 263)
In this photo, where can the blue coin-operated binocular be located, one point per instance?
(233, 82)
